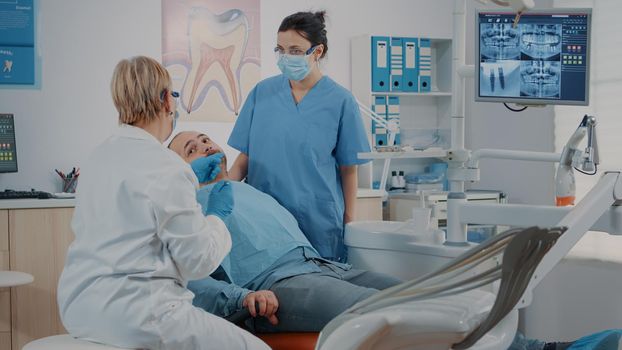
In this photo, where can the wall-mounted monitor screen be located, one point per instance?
(544, 59)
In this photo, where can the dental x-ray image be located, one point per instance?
(541, 41)
(499, 41)
(211, 50)
(540, 79)
(499, 78)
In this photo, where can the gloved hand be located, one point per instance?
(220, 201)
(207, 168)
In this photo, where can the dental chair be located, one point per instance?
(278, 341)
(444, 309)
(449, 308)
(65, 342)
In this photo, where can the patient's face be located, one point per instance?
(191, 145)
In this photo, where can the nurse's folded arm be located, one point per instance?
(349, 183)
(241, 129)
(240, 168)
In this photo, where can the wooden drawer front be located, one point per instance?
(5, 293)
(39, 239)
(5, 340)
(4, 240)
(5, 311)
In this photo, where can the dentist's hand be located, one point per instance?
(220, 202)
(207, 168)
(267, 305)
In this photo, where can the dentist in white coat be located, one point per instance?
(140, 235)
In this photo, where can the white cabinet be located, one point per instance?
(418, 110)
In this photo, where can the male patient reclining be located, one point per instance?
(271, 261)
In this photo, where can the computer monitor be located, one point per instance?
(8, 151)
(545, 59)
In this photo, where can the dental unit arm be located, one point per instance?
(572, 157)
(519, 6)
(600, 210)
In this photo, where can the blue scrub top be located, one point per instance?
(295, 151)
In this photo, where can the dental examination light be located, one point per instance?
(392, 130)
(519, 6)
(585, 162)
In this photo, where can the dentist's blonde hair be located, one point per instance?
(137, 86)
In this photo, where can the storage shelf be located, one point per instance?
(418, 94)
(434, 153)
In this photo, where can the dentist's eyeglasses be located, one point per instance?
(175, 94)
(163, 94)
(293, 52)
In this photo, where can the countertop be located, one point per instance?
(369, 193)
(37, 203)
(71, 202)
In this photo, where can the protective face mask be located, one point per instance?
(294, 67)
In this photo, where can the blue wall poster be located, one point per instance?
(17, 42)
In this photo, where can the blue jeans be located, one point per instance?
(308, 302)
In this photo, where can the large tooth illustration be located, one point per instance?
(217, 39)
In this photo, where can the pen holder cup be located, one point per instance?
(69, 184)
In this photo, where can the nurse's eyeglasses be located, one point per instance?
(293, 52)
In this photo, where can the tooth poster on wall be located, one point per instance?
(211, 50)
(17, 41)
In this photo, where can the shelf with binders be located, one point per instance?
(415, 93)
(412, 94)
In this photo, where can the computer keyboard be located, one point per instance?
(10, 194)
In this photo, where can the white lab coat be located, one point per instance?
(140, 237)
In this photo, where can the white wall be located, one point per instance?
(80, 41)
(349, 18)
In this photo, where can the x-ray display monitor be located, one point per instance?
(544, 59)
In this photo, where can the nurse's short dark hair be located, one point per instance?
(310, 25)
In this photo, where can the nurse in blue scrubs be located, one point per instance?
(299, 134)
